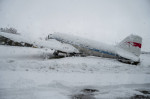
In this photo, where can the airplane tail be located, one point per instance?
(132, 44)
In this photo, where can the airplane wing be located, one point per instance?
(51, 44)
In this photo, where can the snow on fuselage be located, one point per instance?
(86, 46)
(94, 48)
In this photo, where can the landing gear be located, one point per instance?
(60, 54)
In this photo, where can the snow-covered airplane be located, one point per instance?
(127, 51)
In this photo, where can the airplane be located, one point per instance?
(65, 45)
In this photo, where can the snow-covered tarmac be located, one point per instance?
(25, 73)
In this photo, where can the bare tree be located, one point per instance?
(9, 30)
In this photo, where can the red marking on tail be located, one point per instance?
(135, 44)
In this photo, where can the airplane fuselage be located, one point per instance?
(94, 48)
(88, 47)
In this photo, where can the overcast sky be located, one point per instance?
(107, 21)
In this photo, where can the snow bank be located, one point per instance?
(34, 59)
(16, 85)
(25, 74)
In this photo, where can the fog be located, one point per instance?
(107, 21)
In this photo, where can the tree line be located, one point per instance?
(9, 30)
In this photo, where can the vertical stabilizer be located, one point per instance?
(132, 43)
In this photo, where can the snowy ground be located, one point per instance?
(25, 73)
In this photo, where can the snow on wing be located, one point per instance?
(52, 44)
